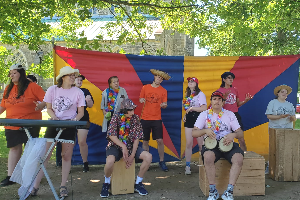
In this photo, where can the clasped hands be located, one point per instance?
(128, 159)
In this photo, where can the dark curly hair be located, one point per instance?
(22, 84)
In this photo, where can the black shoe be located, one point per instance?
(86, 167)
(104, 192)
(6, 182)
(140, 188)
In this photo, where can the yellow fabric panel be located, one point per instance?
(257, 139)
(58, 64)
(208, 70)
(96, 115)
(95, 112)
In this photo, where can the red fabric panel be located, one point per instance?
(253, 73)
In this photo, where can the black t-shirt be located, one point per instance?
(86, 116)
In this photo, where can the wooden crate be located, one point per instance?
(250, 182)
(122, 180)
(284, 150)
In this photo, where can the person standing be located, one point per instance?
(232, 100)
(20, 102)
(193, 103)
(280, 112)
(82, 133)
(64, 102)
(111, 100)
(154, 98)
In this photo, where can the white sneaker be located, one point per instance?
(228, 195)
(188, 170)
(213, 195)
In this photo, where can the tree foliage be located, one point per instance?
(249, 28)
(225, 27)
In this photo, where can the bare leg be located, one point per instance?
(82, 135)
(209, 163)
(161, 149)
(14, 156)
(66, 154)
(147, 159)
(236, 167)
(200, 141)
(146, 145)
(41, 173)
(109, 166)
(189, 144)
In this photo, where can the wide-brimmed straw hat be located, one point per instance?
(65, 71)
(162, 74)
(280, 87)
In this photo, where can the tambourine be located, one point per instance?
(210, 143)
(223, 147)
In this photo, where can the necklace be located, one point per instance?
(112, 95)
(218, 121)
(187, 101)
(124, 129)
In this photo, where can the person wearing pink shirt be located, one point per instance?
(194, 103)
(64, 102)
(232, 100)
(217, 123)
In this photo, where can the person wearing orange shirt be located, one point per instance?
(20, 102)
(154, 97)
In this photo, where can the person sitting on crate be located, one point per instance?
(217, 123)
(123, 134)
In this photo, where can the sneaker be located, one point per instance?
(228, 195)
(140, 188)
(6, 182)
(188, 170)
(213, 195)
(163, 166)
(86, 167)
(105, 188)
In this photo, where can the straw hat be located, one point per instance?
(162, 74)
(280, 87)
(67, 70)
